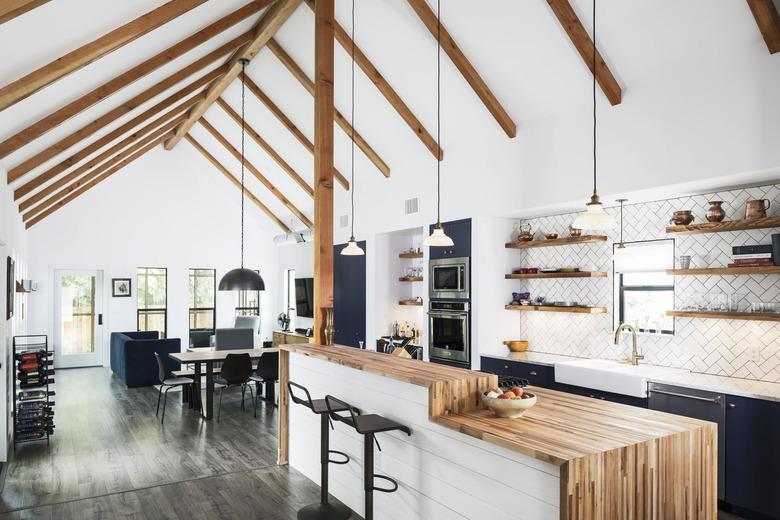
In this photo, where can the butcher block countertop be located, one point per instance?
(615, 460)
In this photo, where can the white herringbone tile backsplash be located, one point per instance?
(748, 349)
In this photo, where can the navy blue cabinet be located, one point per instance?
(753, 455)
(640, 402)
(460, 233)
(349, 297)
(536, 374)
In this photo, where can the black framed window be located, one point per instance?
(203, 283)
(644, 292)
(152, 283)
(248, 303)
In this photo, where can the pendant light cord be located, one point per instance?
(438, 112)
(243, 96)
(594, 97)
(352, 117)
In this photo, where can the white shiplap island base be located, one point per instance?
(568, 457)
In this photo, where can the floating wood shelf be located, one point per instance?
(763, 269)
(725, 315)
(585, 239)
(413, 303)
(411, 279)
(726, 225)
(410, 255)
(555, 308)
(577, 274)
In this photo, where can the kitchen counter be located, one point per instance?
(611, 460)
(711, 382)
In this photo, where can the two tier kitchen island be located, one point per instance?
(568, 457)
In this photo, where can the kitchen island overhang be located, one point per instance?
(606, 460)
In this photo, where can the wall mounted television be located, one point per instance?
(304, 297)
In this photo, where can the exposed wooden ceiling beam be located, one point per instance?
(108, 153)
(129, 105)
(384, 87)
(224, 171)
(74, 60)
(584, 45)
(294, 130)
(470, 74)
(111, 136)
(267, 147)
(81, 181)
(768, 20)
(271, 21)
(342, 121)
(94, 182)
(249, 166)
(10, 9)
(100, 93)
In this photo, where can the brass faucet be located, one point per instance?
(635, 356)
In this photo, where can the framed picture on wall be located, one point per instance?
(10, 286)
(121, 287)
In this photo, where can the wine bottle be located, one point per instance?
(35, 405)
(34, 415)
(32, 356)
(30, 436)
(34, 394)
(36, 383)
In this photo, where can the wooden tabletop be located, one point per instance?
(205, 355)
(559, 428)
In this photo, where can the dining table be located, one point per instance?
(198, 357)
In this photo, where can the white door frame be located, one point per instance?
(78, 360)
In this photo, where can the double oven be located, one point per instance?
(449, 314)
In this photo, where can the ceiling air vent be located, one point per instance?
(411, 206)
(344, 221)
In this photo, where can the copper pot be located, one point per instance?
(682, 217)
(575, 232)
(756, 208)
(715, 212)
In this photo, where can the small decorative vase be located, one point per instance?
(329, 330)
(715, 212)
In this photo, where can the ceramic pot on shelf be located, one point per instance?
(756, 208)
(682, 217)
(715, 213)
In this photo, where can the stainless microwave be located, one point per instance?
(449, 278)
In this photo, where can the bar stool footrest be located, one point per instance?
(388, 479)
(333, 461)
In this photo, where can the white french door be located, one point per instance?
(78, 316)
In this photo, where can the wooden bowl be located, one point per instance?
(519, 345)
(551, 236)
(509, 408)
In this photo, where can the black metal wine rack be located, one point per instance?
(33, 406)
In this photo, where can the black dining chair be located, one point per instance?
(267, 374)
(167, 383)
(236, 370)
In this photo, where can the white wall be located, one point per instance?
(168, 209)
(13, 243)
(301, 258)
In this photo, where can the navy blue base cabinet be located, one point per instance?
(537, 375)
(753, 455)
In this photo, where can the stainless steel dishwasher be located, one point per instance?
(697, 404)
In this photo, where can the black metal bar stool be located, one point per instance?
(324, 510)
(367, 425)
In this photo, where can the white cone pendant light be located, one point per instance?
(438, 238)
(352, 248)
(594, 216)
(242, 279)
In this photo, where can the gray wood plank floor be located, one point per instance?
(111, 458)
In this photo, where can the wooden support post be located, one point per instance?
(323, 164)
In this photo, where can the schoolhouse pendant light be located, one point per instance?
(242, 279)
(438, 238)
(594, 216)
(621, 251)
(352, 248)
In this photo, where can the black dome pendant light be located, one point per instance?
(352, 248)
(242, 279)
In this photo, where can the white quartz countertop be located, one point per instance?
(709, 382)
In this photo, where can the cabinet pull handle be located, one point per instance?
(506, 366)
(732, 406)
(715, 400)
(533, 373)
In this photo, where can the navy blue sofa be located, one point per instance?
(132, 356)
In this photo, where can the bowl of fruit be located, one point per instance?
(511, 403)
